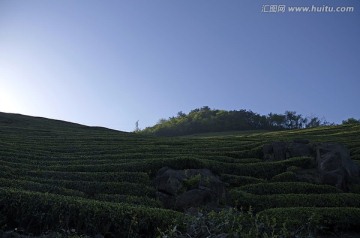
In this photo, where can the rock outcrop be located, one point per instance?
(333, 163)
(183, 189)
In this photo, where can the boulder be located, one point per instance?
(335, 165)
(193, 198)
(299, 149)
(183, 189)
(169, 181)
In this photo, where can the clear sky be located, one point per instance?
(113, 62)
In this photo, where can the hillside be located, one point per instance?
(206, 120)
(73, 179)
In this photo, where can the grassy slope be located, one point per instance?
(83, 168)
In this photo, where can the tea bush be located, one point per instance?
(288, 187)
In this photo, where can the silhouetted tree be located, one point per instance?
(204, 119)
(137, 129)
(313, 122)
(350, 121)
(276, 120)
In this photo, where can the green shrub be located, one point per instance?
(355, 188)
(7, 172)
(344, 218)
(226, 159)
(129, 199)
(248, 161)
(39, 187)
(192, 182)
(261, 202)
(236, 181)
(250, 152)
(265, 170)
(237, 223)
(288, 187)
(138, 177)
(37, 213)
(232, 222)
(150, 166)
(293, 168)
(91, 188)
(285, 177)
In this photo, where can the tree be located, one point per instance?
(294, 121)
(204, 119)
(350, 121)
(181, 114)
(276, 120)
(137, 129)
(161, 121)
(313, 122)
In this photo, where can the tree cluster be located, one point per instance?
(350, 121)
(203, 120)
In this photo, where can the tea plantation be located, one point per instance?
(75, 180)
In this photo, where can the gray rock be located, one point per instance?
(193, 198)
(183, 189)
(335, 165)
(296, 149)
(169, 181)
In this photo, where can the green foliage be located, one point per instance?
(355, 188)
(288, 187)
(39, 187)
(192, 182)
(124, 176)
(37, 213)
(92, 188)
(350, 121)
(236, 223)
(262, 202)
(129, 199)
(237, 181)
(287, 176)
(58, 175)
(332, 218)
(262, 170)
(205, 120)
(293, 169)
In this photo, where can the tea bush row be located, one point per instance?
(264, 170)
(237, 181)
(91, 188)
(287, 176)
(130, 199)
(38, 212)
(39, 187)
(331, 218)
(135, 177)
(261, 202)
(288, 187)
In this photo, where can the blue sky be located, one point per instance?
(110, 63)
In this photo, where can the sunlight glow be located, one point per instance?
(10, 97)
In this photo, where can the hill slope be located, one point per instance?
(12, 121)
(56, 175)
(206, 120)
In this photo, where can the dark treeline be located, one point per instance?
(202, 120)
